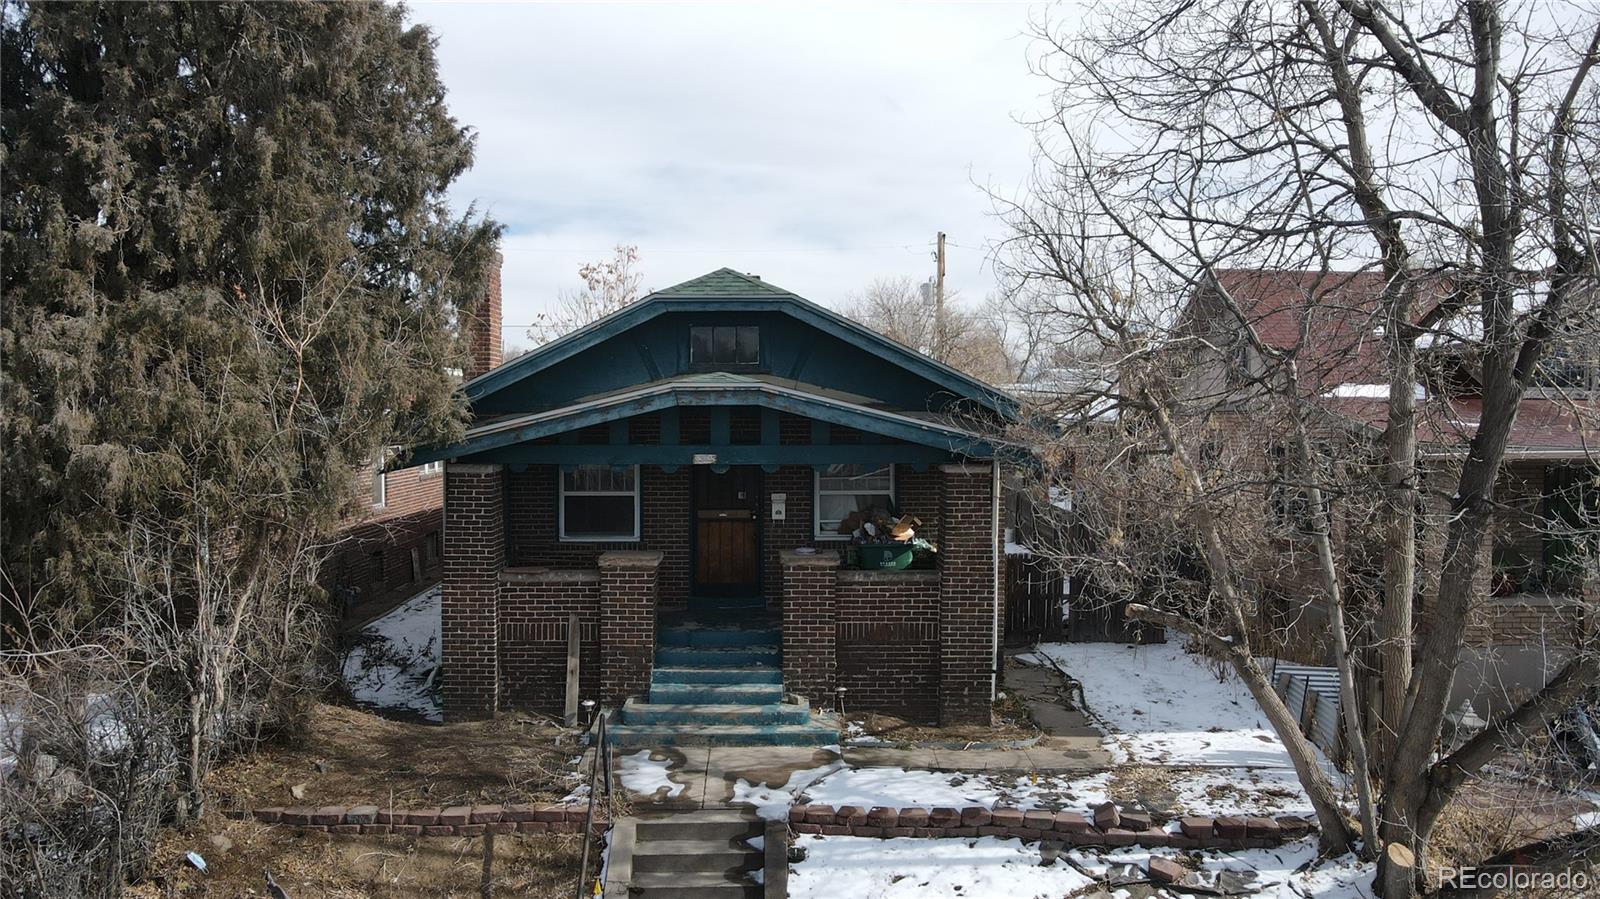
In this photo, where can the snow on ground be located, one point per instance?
(1169, 707)
(1198, 791)
(773, 803)
(392, 665)
(1240, 791)
(900, 788)
(982, 868)
(1278, 874)
(647, 776)
(994, 868)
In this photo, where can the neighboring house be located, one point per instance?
(393, 544)
(1539, 594)
(693, 456)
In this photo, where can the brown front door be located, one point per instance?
(727, 514)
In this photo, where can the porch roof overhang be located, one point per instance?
(511, 439)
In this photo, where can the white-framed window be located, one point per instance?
(599, 502)
(380, 486)
(430, 469)
(843, 489)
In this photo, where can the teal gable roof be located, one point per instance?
(805, 342)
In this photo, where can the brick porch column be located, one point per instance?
(968, 593)
(627, 622)
(474, 554)
(809, 635)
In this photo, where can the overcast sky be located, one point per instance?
(818, 145)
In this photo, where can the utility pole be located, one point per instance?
(938, 305)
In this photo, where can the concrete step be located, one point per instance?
(672, 885)
(719, 657)
(700, 635)
(647, 736)
(730, 858)
(702, 826)
(716, 694)
(686, 714)
(682, 674)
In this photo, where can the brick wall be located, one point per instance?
(887, 626)
(485, 344)
(534, 609)
(968, 593)
(373, 552)
(474, 553)
(627, 622)
(794, 531)
(533, 536)
(809, 638)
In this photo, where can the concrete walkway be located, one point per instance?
(709, 775)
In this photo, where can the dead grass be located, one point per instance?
(1495, 814)
(898, 730)
(350, 756)
(542, 866)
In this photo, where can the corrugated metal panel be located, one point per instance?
(1319, 686)
(1325, 731)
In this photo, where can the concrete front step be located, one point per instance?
(649, 736)
(718, 657)
(704, 825)
(683, 674)
(716, 694)
(672, 885)
(727, 858)
(696, 713)
(699, 635)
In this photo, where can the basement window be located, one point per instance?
(844, 489)
(599, 503)
(724, 345)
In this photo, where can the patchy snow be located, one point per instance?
(1240, 791)
(772, 803)
(900, 788)
(1278, 871)
(393, 663)
(647, 776)
(903, 867)
(1167, 706)
(995, 868)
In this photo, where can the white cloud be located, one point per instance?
(819, 145)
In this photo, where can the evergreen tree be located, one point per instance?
(229, 272)
(230, 281)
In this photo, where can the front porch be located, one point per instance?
(652, 555)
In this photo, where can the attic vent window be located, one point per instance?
(724, 345)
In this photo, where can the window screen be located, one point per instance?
(599, 502)
(725, 345)
(843, 489)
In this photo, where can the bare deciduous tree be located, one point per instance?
(607, 286)
(1445, 149)
(975, 340)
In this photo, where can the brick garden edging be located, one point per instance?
(1106, 826)
(453, 821)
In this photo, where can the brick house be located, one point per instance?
(1539, 593)
(393, 543)
(679, 473)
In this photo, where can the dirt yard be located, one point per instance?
(351, 757)
(320, 866)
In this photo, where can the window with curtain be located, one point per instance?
(599, 502)
(843, 489)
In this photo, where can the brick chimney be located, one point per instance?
(485, 346)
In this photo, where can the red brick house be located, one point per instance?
(677, 476)
(1540, 595)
